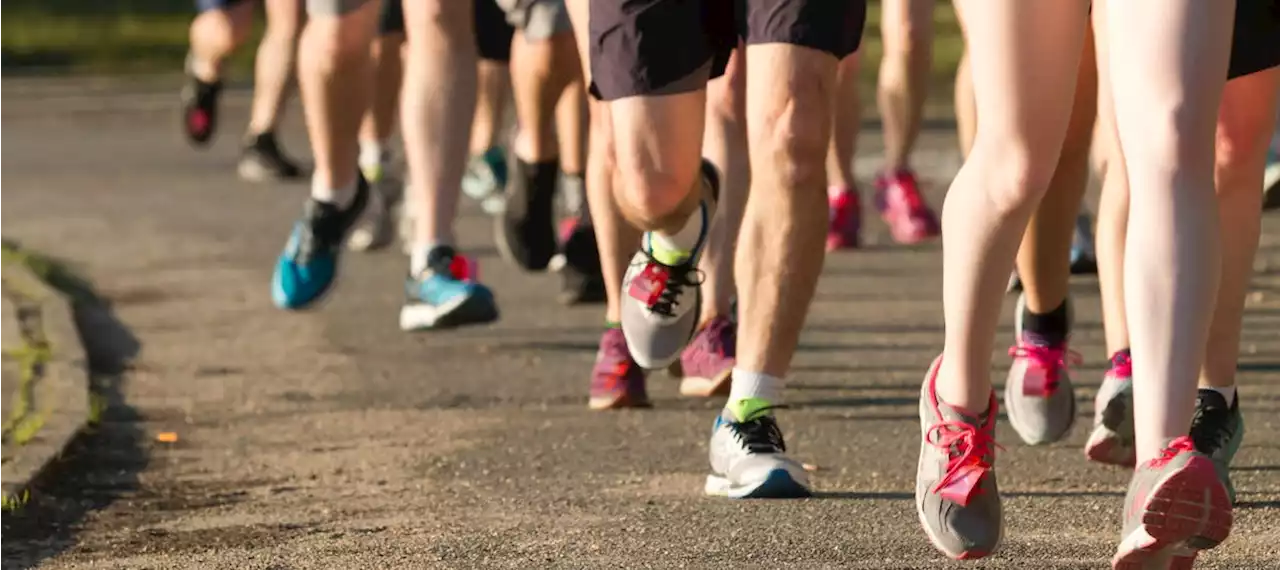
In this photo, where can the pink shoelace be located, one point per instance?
(1049, 362)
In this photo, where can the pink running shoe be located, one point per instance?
(616, 380)
(845, 209)
(1176, 506)
(707, 363)
(903, 208)
(1111, 440)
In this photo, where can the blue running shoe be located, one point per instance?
(445, 295)
(307, 267)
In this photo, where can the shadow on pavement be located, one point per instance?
(1258, 505)
(100, 466)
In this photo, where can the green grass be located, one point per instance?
(147, 36)
(35, 351)
(100, 36)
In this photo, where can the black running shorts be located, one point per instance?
(656, 47)
(493, 33)
(1256, 45)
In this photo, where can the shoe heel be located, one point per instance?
(1190, 508)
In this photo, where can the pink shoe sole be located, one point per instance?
(1185, 512)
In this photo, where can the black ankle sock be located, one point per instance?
(1051, 327)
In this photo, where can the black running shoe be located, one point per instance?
(1217, 430)
(200, 109)
(261, 159)
(526, 234)
(581, 280)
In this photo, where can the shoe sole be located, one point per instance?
(1111, 441)
(1186, 511)
(698, 387)
(779, 484)
(468, 311)
(1107, 447)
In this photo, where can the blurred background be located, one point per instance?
(150, 36)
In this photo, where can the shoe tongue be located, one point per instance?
(748, 409)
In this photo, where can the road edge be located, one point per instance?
(64, 381)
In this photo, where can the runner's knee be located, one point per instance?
(336, 42)
(1017, 176)
(792, 139)
(1240, 156)
(650, 197)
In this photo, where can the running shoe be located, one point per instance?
(903, 208)
(526, 233)
(261, 160)
(957, 497)
(845, 211)
(1038, 394)
(581, 279)
(1217, 430)
(749, 457)
(446, 294)
(1084, 260)
(485, 178)
(1175, 507)
(309, 264)
(199, 107)
(1111, 441)
(707, 363)
(662, 291)
(375, 230)
(616, 380)
(1271, 177)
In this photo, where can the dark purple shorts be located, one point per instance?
(1256, 44)
(657, 47)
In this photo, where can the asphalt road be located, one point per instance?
(330, 439)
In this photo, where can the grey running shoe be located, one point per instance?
(1175, 507)
(748, 456)
(1217, 430)
(1038, 395)
(956, 493)
(484, 179)
(374, 229)
(663, 292)
(1111, 441)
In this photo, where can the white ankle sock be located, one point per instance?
(755, 385)
(1228, 393)
(340, 197)
(372, 153)
(682, 241)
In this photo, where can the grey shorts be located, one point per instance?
(538, 19)
(332, 7)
